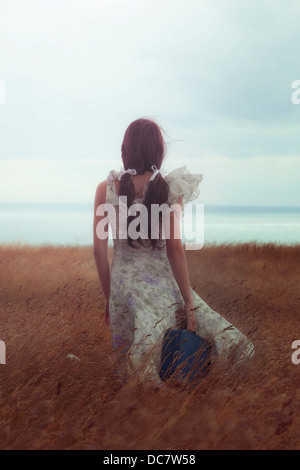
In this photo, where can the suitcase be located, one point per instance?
(185, 356)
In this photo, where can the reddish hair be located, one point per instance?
(143, 146)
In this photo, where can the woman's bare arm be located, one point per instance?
(100, 247)
(178, 264)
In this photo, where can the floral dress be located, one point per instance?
(144, 294)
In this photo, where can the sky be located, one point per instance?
(217, 76)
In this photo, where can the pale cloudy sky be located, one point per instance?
(217, 76)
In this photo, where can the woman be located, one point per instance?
(149, 282)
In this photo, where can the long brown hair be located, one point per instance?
(143, 146)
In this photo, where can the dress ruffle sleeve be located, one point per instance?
(183, 184)
(111, 193)
(180, 181)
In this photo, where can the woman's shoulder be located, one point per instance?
(108, 187)
(100, 195)
(183, 184)
(113, 175)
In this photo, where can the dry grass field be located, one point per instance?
(51, 306)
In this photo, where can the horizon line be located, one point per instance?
(92, 204)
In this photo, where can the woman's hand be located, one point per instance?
(180, 315)
(185, 317)
(107, 312)
(190, 316)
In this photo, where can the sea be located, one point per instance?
(72, 224)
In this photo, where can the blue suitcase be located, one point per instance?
(184, 356)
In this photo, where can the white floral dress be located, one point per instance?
(144, 294)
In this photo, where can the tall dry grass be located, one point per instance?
(52, 306)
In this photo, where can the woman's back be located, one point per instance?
(139, 182)
(131, 254)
